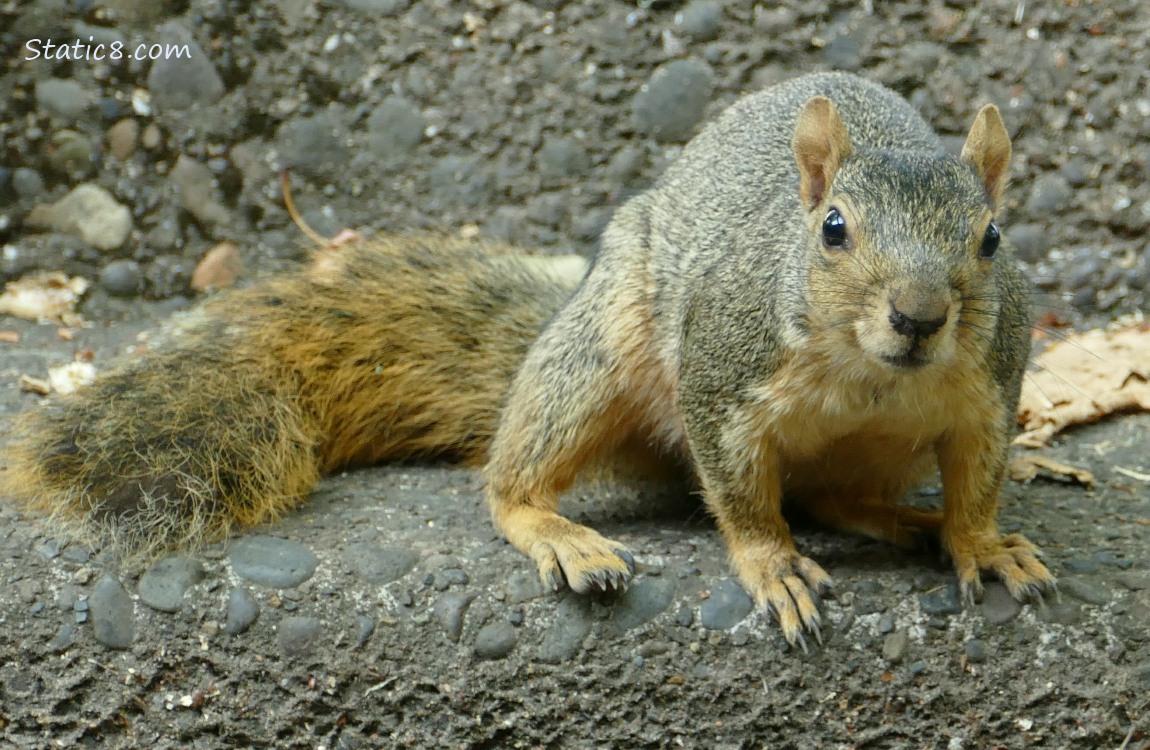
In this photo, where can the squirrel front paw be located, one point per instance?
(568, 553)
(1013, 558)
(782, 580)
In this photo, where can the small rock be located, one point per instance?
(1091, 592)
(88, 212)
(196, 185)
(123, 138)
(71, 153)
(395, 127)
(1081, 566)
(895, 646)
(364, 627)
(27, 183)
(50, 549)
(975, 651)
(450, 610)
(684, 617)
(377, 8)
(113, 614)
(1061, 613)
(379, 565)
(445, 579)
(316, 146)
(62, 97)
(64, 639)
(727, 606)
(495, 640)
(886, 623)
(298, 635)
(271, 561)
(181, 82)
(998, 606)
(523, 586)
(1050, 194)
(641, 602)
(1031, 241)
(1135, 580)
(672, 102)
(700, 20)
(163, 585)
(219, 268)
(562, 157)
(242, 611)
(572, 624)
(122, 278)
(942, 602)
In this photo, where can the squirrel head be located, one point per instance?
(901, 245)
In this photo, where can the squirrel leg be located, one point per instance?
(973, 462)
(907, 527)
(573, 399)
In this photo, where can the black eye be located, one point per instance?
(989, 242)
(834, 229)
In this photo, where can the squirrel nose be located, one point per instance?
(923, 327)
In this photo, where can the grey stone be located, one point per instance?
(27, 183)
(495, 640)
(1061, 613)
(975, 651)
(944, 601)
(122, 278)
(377, 8)
(1031, 241)
(113, 615)
(1091, 592)
(450, 611)
(562, 157)
(316, 146)
(71, 153)
(523, 586)
(700, 20)
(684, 616)
(445, 579)
(895, 646)
(885, 623)
(1050, 194)
(564, 639)
(196, 185)
(62, 97)
(298, 635)
(163, 585)
(242, 611)
(88, 212)
(180, 82)
(364, 628)
(1135, 580)
(50, 549)
(1081, 566)
(641, 602)
(727, 606)
(64, 639)
(395, 127)
(998, 606)
(673, 100)
(380, 565)
(271, 561)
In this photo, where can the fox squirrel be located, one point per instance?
(813, 301)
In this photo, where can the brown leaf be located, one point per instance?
(10, 337)
(1025, 467)
(219, 268)
(1083, 379)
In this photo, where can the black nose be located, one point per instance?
(908, 326)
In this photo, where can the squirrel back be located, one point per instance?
(386, 349)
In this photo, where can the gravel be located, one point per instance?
(112, 614)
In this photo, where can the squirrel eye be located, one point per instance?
(989, 242)
(834, 229)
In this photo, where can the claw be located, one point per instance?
(628, 558)
(555, 580)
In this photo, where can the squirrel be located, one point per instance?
(814, 302)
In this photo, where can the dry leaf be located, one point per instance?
(44, 297)
(1082, 380)
(219, 268)
(29, 384)
(9, 337)
(71, 377)
(1025, 467)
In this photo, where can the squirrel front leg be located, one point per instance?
(740, 475)
(972, 459)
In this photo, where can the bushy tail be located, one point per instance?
(381, 350)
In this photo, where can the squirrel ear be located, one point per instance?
(820, 144)
(987, 149)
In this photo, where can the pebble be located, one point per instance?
(450, 611)
(944, 601)
(163, 585)
(364, 628)
(298, 635)
(271, 561)
(122, 278)
(445, 579)
(379, 565)
(684, 616)
(1081, 566)
(564, 639)
(181, 82)
(641, 602)
(196, 186)
(1061, 613)
(395, 127)
(673, 100)
(1050, 194)
(727, 606)
(1135, 580)
(998, 606)
(62, 97)
(88, 212)
(975, 651)
(895, 646)
(64, 639)
(377, 8)
(523, 586)
(700, 20)
(1030, 241)
(495, 640)
(562, 157)
(219, 268)
(27, 183)
(315, 146)
(886, 623)
(1091, 592)
(242, 611)
(112, 614)
(50, 549)
(71, 153)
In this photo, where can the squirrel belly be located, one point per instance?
(387, 349)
